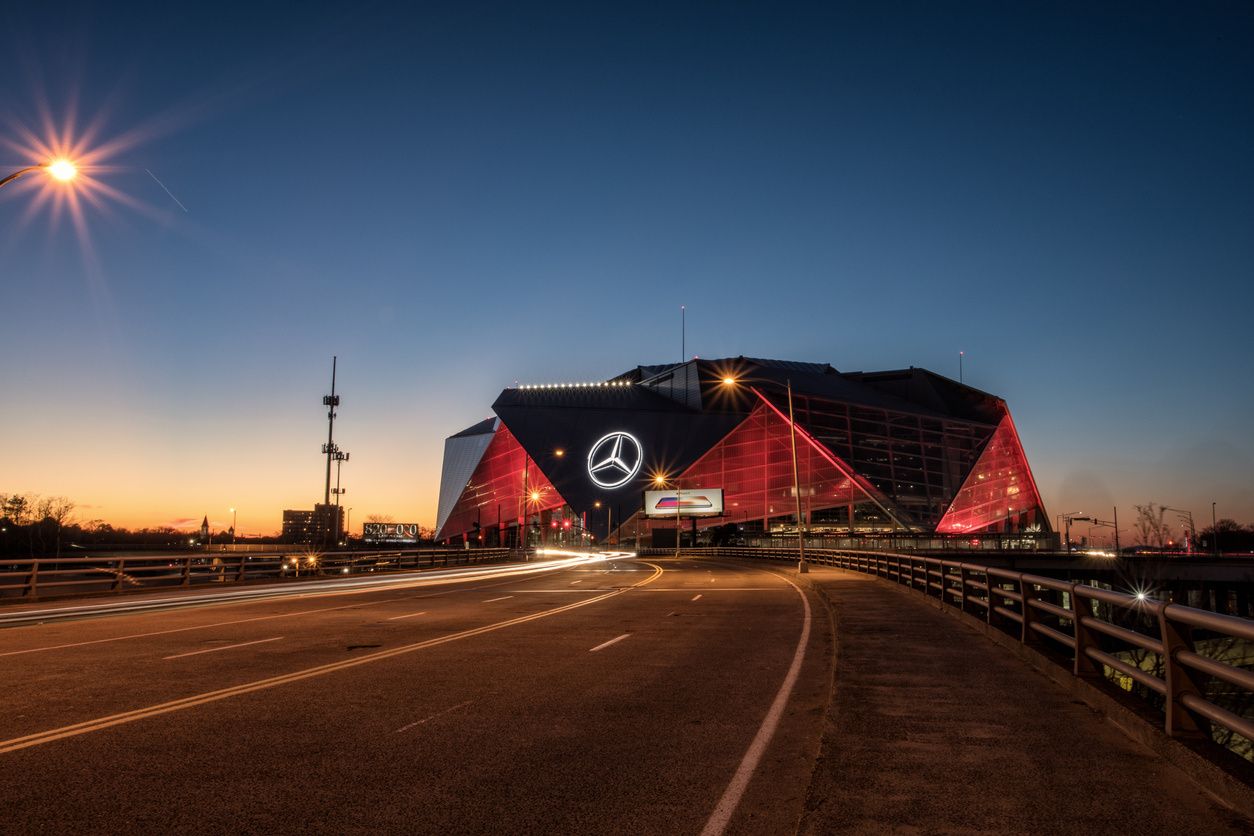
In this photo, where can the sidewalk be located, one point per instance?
(936, 729)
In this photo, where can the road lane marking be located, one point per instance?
(433, 716)
(696, 597)
(735, 791)
(407, 615)
(502, 598)
(604, 645)
(101, 723)
(193, 627)
(223, 647)
(572, 583)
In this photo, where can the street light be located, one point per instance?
(802, 568)
(62, 170)
(660, 481)
(233, 535)
(1214, 529)
(1187, 518)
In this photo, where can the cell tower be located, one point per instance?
(330, 449)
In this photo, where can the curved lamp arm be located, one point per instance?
(19, 173)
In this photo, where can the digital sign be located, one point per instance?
(686, 502)
(399, 533)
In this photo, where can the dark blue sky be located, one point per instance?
(455, 197)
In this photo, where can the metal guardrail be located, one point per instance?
(1077, 622)
(29, 579)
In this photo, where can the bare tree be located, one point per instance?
(1150, 527)
(58, 510)
(380, 518)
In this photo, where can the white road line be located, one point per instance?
(223, 647)
(407, 615)
(604, 645)
(502, 598)
(696, 597)
(735, 791)
(572, 583)
(433, 716)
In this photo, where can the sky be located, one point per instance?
(452, 197)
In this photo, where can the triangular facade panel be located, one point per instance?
(753, 466)
(999, 492)
(506, 487)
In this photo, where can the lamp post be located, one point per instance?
(1067, 518)
(1058, 518)
(802, 568)
(1214, 529)
(62, 170)
(1186, 517)
(233, 518)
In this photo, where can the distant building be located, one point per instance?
(323, 525)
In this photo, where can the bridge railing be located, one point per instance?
(28, 579)
(1170, 655)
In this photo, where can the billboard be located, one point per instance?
(687, 502)
(397, 533)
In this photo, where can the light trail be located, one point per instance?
(347, 586)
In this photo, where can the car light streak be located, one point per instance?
(348, 586)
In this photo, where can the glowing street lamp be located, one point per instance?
(660, 481)
(61, 170)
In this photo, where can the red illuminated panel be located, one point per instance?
(998, 491)
(496, 492)
(753, 464)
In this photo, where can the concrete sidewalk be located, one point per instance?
(936, 729)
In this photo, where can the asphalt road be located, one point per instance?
(619, 696)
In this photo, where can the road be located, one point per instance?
(613, 696)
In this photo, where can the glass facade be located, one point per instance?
(507, 490)
(999, 494)
(915, 460)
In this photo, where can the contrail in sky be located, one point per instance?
(167, 191)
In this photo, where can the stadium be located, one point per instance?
(708, 444)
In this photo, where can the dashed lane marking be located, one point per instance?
(223, 647)
(604, 645)
(434, 716)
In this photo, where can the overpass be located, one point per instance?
(614, 693)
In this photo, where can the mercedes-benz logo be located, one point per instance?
(614, 460)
